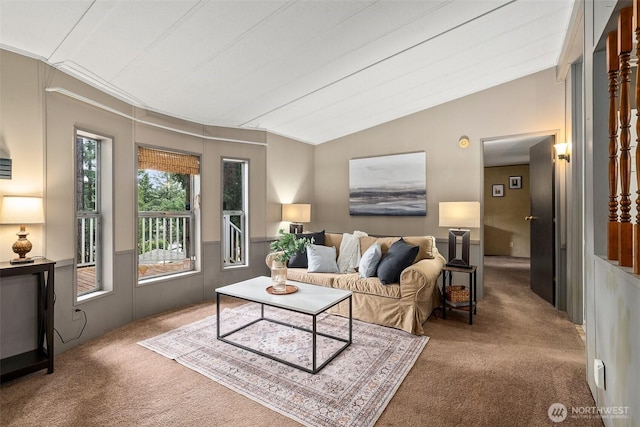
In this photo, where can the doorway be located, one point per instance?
(511, 176)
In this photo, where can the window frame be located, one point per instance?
(105, 207)
(193, 214)
(81, 214)
(245, 213)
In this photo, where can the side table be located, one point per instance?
(42, 357)
(447, 277)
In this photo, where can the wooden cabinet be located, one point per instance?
(42, 357)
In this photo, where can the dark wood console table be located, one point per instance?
(42, 357)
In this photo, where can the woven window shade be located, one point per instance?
(167, 161)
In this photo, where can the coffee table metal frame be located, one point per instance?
(313, 313)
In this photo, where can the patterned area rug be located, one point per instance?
(352, 390)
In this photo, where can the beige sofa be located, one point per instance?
(405, 305)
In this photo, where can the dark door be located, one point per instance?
(542, 228)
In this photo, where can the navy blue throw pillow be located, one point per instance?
(299, 260)
(400, 256)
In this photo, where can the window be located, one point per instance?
(235, 234)
(93, 189)
(88, 223)
(167, 184)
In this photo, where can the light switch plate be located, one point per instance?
(598, 373)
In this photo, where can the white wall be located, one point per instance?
(530, 104)
(21, 134)
(37, 132)
(290, 179)
(612, 293)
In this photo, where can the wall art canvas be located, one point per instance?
(515, 182)
(388, 185)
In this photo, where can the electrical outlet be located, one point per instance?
(77, 314)
(510, 244)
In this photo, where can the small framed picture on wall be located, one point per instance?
(515, 182)
(498, 190)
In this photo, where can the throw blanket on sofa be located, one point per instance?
(349, 253)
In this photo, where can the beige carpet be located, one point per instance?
(353, 389)
(519, 357)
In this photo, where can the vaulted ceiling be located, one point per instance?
(311, 70)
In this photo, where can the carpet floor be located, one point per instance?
(353, 389)
(518, 358)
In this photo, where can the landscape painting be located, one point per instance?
(388, 185)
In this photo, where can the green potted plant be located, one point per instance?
(288, 245)
(284, 248)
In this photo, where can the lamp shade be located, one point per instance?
(459, 214)
(297, 212)
(21, 210)
(561, 148)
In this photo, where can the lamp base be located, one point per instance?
(295, 228)
(22, 247)
(463, 261)
(25, 260)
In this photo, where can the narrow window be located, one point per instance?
(167, 184)
(88, 222)
(235, 232)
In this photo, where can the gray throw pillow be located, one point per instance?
(322, 259)
(369, 262)
(400, 256)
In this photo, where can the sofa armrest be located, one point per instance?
(423, 274)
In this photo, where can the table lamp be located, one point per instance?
(297, 213)
(21, 210)
(462, 216)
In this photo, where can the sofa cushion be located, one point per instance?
(384, 242)
(372, 285)
(333, 239)
(427, 245)
(400, 256)
(369, 262)
(299, 260)
(349, 253)
(320, 279)
(322, 259)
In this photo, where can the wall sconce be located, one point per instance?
(297, 214)
(21, 210)
(458, 215)
(562, 151)
(464, 142)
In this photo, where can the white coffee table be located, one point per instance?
(309, 299)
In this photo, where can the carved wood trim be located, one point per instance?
(636, 226)
(625, 45)
(612, 71)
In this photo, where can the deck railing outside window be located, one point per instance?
(233, 238)
(87, 239)
(87, 280)
(164, 243)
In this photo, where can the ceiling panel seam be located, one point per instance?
(400, 52)
(356, 48)
(178, 23)
(71, 31)
(243, 35)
